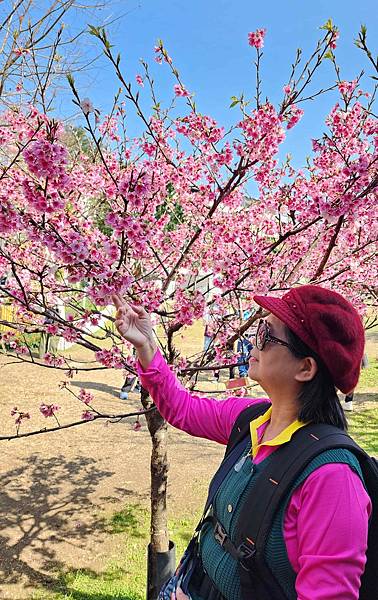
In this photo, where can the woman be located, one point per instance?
(311, 343)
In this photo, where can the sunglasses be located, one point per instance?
(263, 336)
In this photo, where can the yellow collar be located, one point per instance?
(281, 438)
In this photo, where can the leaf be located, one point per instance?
(329, 55)
(328, 25)
(93, 30)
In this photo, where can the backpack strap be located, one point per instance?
(237, 442)
(276, 480)
(368, 589)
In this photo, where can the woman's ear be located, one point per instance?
(307, 369)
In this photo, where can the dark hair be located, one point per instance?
(318, 398)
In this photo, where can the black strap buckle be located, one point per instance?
(220, 534)
(247, 552)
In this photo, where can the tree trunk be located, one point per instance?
(160, 552)
(159, 475)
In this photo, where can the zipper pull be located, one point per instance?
(239, 465)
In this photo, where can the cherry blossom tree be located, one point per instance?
(156, 217)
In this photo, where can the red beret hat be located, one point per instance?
(328, 324)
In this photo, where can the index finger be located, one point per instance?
(118, 302)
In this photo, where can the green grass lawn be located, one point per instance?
(369, 376)
(363, 427)
(124, 577)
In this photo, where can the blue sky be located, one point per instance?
(208, 42)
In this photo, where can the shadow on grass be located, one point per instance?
(131, 520)
(43, 503)
(87, 584)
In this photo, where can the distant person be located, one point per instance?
(48, 343)
(244, 348)
(131, 384)
(208, 339)
(348, 400)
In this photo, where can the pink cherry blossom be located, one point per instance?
(87, 415)
(346, 88)
(295, 116)
(48, 410)
(139, 80)
(21, 51)
(52, 329)
(168, 219)
(20, 415)
(180, 90)
(55, 361)
(110, 358)
(256, 38)
(334, 38)
(86, 106)
(45, 159)
(85, 396)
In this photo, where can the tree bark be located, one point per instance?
(157, 427)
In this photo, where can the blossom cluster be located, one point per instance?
(20, 416)
(48, 410)
(111, 358)
(167, 217)
(53, 361)
(190, 306)
(85, 396)
(47, 160)
(295, 116)
(180, 90)
(256, 38)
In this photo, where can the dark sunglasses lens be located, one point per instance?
(261, 335)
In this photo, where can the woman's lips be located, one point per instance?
(253, 359)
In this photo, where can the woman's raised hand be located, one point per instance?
(134, 324)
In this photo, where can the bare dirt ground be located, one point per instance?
(57, 487)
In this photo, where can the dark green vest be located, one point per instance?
(231, 496)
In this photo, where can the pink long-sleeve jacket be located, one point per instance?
(326, 521)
